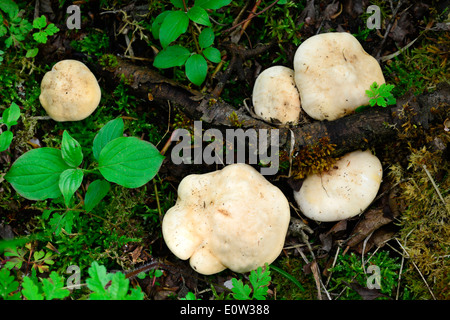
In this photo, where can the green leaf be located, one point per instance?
(119, 287)
(212, 4)
(174, 24)
(11, 115)
(96, 191)
(54, 287)
(156, 25)
(98, 278)
(199, 15)
(196, 69)
(206, 38)
(110, 131)
(51, 29)
(381, 101)
(370, 93)
(71, 150)
(212, 54)
(10, 7)
(240, 291)
(260, 280)
(40, 37)
(35, 174)
(177, 4)
(69, 182)
(59, 221)
(8, 285)
(40, 22)
(129, 161)
(31, 53)
(5, 140)
(173, 56)
(30, 290)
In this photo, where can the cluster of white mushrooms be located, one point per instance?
(234, 218)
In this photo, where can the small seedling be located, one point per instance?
(110, 286)
(9, 118)
(381, 95)
(259, 280)
(171, 24)
(45, 173)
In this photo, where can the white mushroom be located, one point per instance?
(344, 191)
(70, 91)
(275, 96)
(332, 73)
(231, 218)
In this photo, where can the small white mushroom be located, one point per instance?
(332, 73)
(231, 218)
(344, 191)
(70, 91)
(275, 96)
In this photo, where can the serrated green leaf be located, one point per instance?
(10, 7)
(69, 182)
(173, 56)
(372, 102)
(96, 191)
(136, 294)
(129, 161)
(119, 287)
(199, 15)
(110, 131)
(30, 290)
(370, 93)
(8, 285)
(206, 38)
(212, 54)
(57, 222)
(381, 102)
(212, 4)
(5, 140)
(51, 29)
(40, 22)
(196, 69)
(240, 291)
(174, 25)
(71, 150)
(98, 278)
(40, 37)
(260, 280)
(35, 174)
(54, 287)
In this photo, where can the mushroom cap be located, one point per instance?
(275, 95)
(69, 91)
(231, 218)
(332, 73)
(344, 191)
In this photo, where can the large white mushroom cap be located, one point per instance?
(275, 95)
(344, 191)
(231, 218)
(70, 91)
(332, 73)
